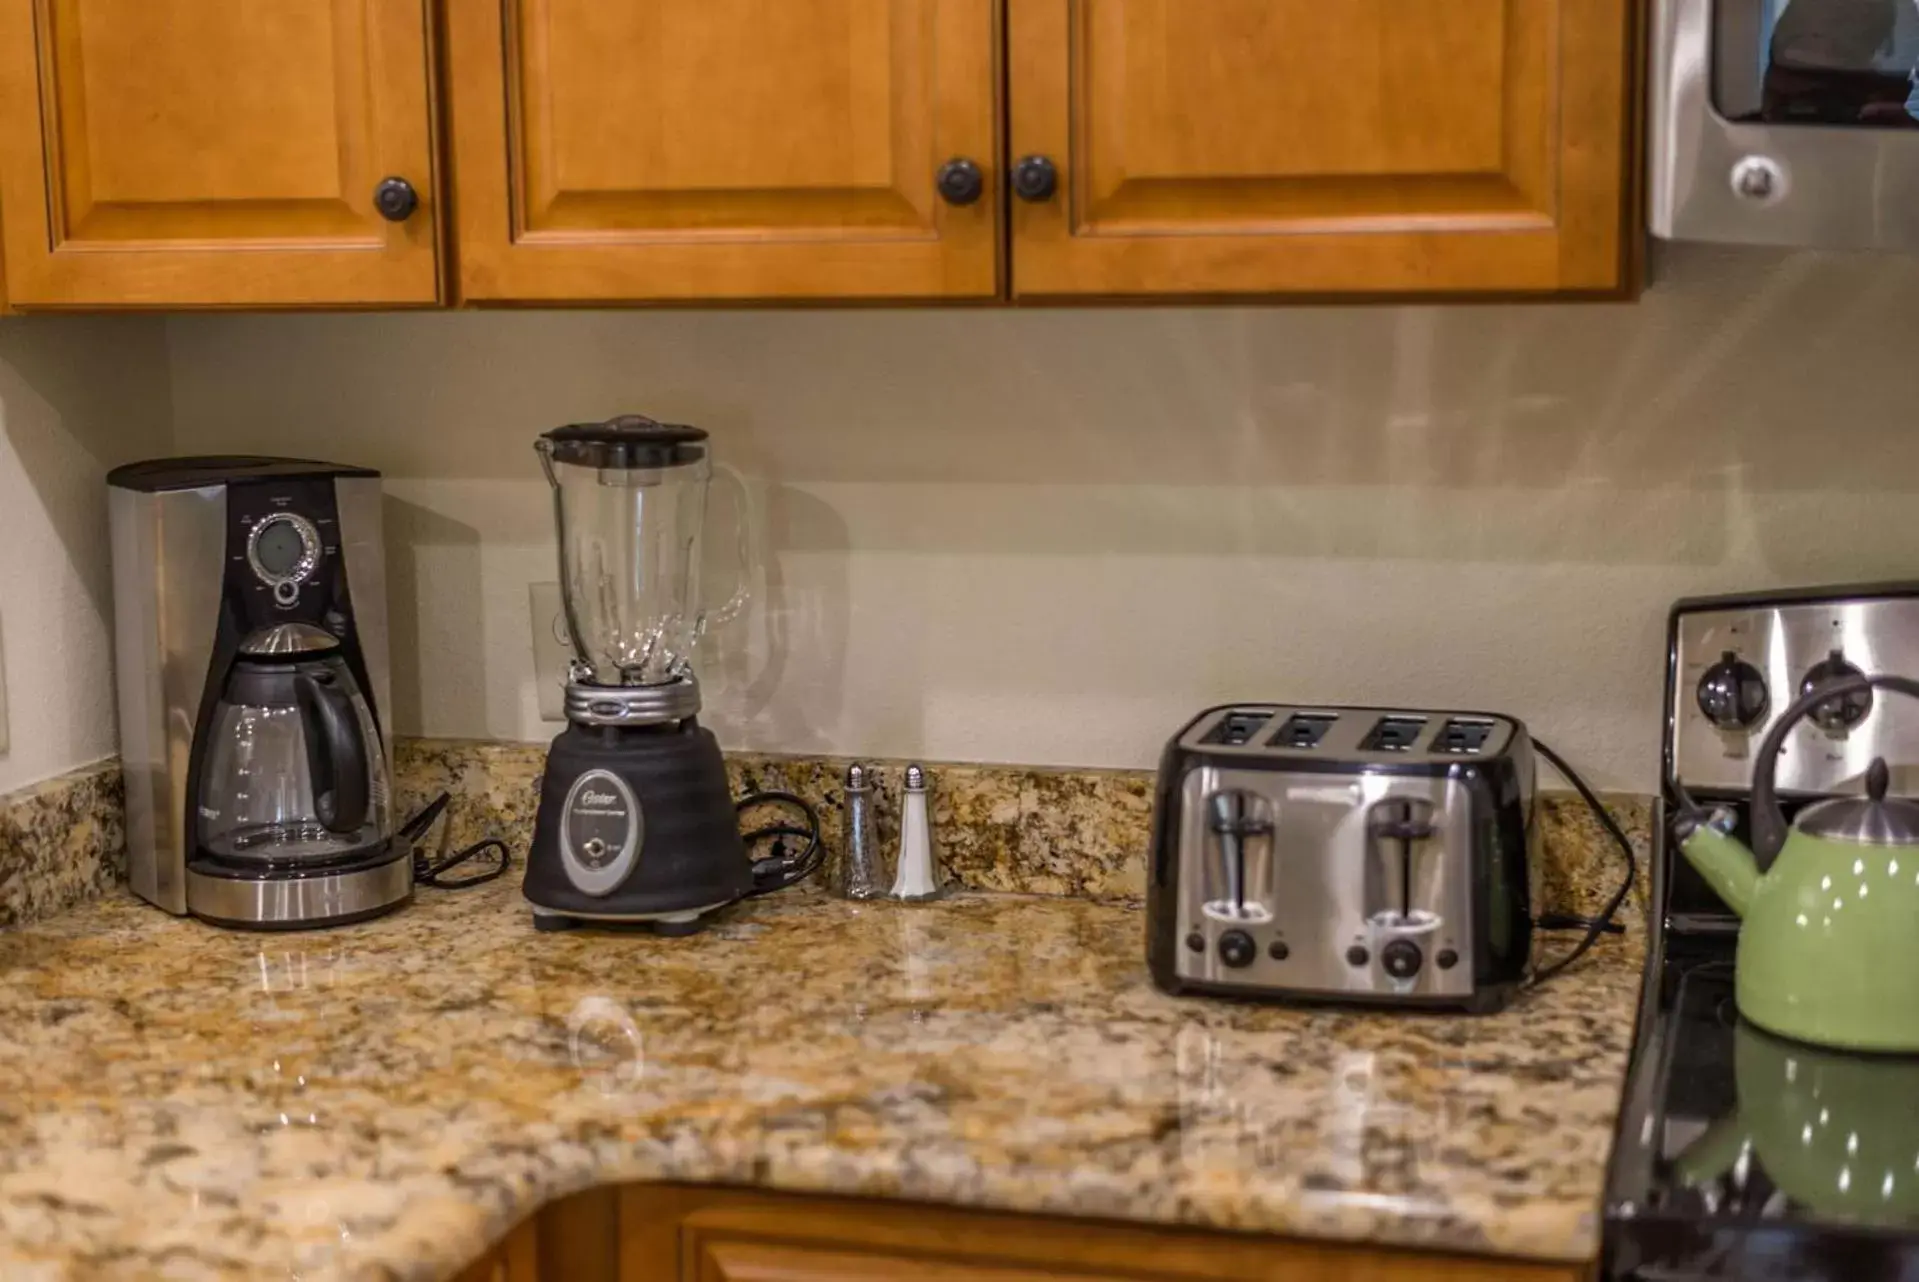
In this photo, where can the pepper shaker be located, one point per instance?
(861, 871)
(919, 876)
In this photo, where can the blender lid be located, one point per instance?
(629, 441)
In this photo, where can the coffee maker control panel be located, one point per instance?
(283, 554)
(283, 550)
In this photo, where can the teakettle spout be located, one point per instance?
(1723, 860)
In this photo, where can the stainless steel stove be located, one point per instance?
(1740, 1155)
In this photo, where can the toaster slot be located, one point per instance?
(1239, 876)
(1236, 729)
(1302, 730)
(1463, 737)
(1393, 734)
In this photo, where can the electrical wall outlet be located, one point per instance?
(552, 648)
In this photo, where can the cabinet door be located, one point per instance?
(749, 1261)
(159, 153)
(1362, 146)
(679, 1234)
(514, 1260)
(715, 149)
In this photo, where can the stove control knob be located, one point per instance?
(1843, 713)
(1732, 693)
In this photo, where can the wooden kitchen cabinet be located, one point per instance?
(1219, 147)
(669, 1233)
(708, 150)
(207, 153)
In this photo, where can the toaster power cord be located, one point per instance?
(1603, 923)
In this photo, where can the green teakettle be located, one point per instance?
(1829, 936)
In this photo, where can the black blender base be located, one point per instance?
(669, 929)
(687, 859)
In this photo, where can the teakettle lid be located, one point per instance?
(1871, 820)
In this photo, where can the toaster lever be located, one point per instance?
(1242, 828)
(1400, 820)
(1403, 820)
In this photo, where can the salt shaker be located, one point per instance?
(861, 871)
(918, 876)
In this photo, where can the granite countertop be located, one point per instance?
(386, 1099)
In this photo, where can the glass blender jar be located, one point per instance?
(629, 500)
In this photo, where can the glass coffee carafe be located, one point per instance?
(293, 769)
(629, 498)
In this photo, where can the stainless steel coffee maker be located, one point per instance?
(636, 823)
(250, 643)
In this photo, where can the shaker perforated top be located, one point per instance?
(629, 441)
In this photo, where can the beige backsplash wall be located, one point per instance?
(77, 396)
(1048, 536)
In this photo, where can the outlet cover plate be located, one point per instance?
(552, 648)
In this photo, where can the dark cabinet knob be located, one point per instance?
(395, 199)
(1035, 178)
(961, 182)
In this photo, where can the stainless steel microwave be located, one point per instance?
(1786, 122)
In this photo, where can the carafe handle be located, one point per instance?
(336, 751)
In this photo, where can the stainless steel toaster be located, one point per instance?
(1349, 854)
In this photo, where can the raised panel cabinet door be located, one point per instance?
(181, 153)
(681, 1234)
(750, 1261)
(1299, 146)
(687, 150)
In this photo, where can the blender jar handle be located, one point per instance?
(746, 538)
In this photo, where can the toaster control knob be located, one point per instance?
(1845, 712)
(1237, 949)
(1401, 959)
(1732, 693)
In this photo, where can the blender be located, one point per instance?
(636, 822)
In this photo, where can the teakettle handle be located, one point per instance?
(336, 752)
(1769, 827)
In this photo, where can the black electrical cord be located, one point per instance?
(780, 869)
(1603, 923)
(433, 872)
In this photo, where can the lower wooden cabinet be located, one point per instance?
(666, 1233)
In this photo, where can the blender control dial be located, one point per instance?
(1843, 713)
(282, 550)
(1732, 693)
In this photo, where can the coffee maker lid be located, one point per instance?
(202, 470)
(629, 441)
